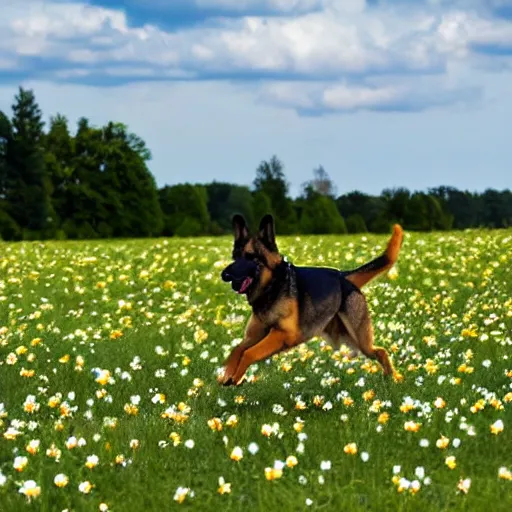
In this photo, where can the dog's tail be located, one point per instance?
(361, 275)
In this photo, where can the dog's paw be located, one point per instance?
(225, 378)
(231, 381)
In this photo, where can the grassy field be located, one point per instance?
(109, 400)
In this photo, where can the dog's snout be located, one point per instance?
(226, 276)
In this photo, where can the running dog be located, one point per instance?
(292, 304)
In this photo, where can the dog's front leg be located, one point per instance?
(254, 332)
(276, 341)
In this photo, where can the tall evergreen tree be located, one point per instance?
(26, 184)
(9, 229)
(5, 141)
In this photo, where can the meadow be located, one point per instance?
(109, 353)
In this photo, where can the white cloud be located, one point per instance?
(345, 41)
(327, 41)
(462, 29)
(341, 97)
(317, 99)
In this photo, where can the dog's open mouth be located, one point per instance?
(247, 282)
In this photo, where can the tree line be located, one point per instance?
(96, 183)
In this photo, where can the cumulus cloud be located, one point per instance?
(317, 56)
(318, 99)
(474, 32)
(325, 42)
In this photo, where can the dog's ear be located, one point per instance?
(239, 228)
(267, 233)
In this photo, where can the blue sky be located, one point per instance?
(382, 93)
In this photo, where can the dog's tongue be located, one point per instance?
(245, 284)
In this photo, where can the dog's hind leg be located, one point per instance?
(336, 334)
(356, 319)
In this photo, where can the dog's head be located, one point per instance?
(254, 257)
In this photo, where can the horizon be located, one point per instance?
(381, 93)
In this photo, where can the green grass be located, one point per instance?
(450, 304)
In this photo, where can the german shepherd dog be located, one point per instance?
(291, 304)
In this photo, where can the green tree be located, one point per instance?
(270, 179)
(59, 155)
(132, 196)
(319, 214)
(396, 201)
(240, 200)
(9, 229)
(372, 209)
(356, 224)
(418, 211)
(5, 141)
(185, 210)
(261, 205)
(110, 190)
(465, 208)
(438, 217)
(226, 199)
(218, 193)
(415, 216)
(84, 210)
(497, 208)
(26, 183)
